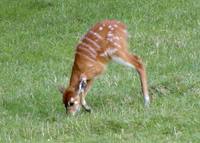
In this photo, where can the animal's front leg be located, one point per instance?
(85, 105)
(88, 84)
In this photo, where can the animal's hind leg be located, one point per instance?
(123, 57)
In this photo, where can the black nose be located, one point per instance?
(71, 103)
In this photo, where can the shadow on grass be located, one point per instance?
(177, 86)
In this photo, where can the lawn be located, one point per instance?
(37, 42)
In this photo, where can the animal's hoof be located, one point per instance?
(87, 108)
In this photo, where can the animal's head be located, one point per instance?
(73, 97)
(71, 100)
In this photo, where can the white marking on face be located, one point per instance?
(93, 42)
(75, 102)
(72, 99)
(100, 28)
(95, 34)
(121, 61)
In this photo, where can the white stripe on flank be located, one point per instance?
(89, 47)
(87, 57)
(96, 34)
(88, 51)
(121, 61)
(108, 52)
(117, 45)
(93, 42)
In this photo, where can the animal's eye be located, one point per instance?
(71, 103)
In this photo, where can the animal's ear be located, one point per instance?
(61, 89)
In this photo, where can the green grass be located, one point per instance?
(37, 40)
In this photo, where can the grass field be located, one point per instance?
(37, 40)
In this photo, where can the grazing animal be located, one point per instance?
(104, 42)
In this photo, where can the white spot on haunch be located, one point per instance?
(115, 25)
(110, 35)
(111, 27)
(110, 39)
(121, 61)
(113, 39)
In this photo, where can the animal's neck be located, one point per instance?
(75, 77)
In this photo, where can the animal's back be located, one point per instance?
(98, 45)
